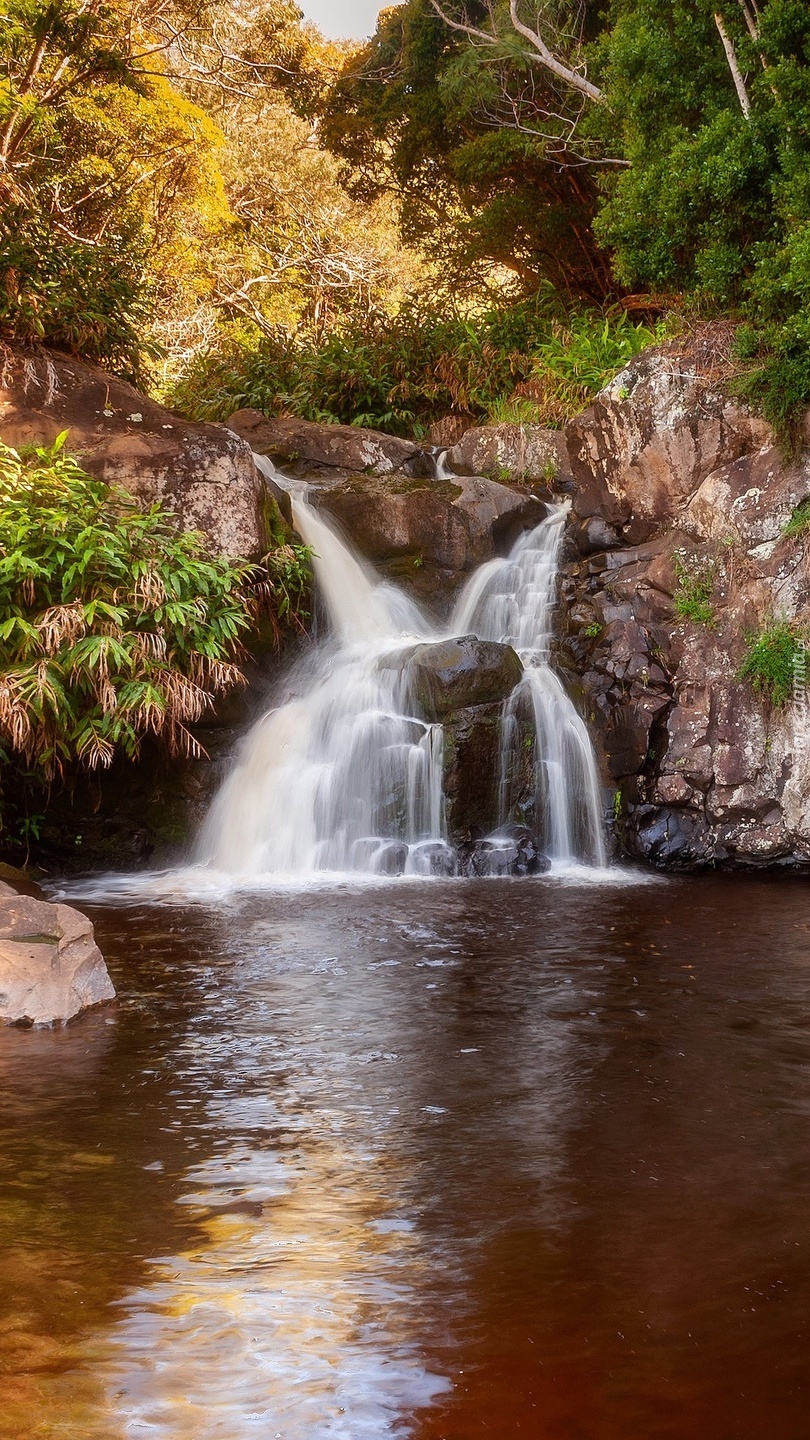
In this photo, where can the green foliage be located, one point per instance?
(775, 660)
(696, 577)
(799, 522)
(396, 374)
(714, 204)
(593, 629)
(88, 301)
(483, 150)
(577, 360)
(113, 625)
(506, 365)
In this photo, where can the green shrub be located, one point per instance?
(399, 374)
(773, 661)
(693, 595)
(90, 301)
(579, 359)
(775, 378)
(113, 624)
(799, 522)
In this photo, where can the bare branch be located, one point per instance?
(470, 30)
(550, 62)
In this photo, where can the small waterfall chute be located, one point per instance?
(343, 777)
(512, 601)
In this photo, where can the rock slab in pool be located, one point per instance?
(50, 965)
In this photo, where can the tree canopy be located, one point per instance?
(181, 178)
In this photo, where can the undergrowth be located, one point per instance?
(799, 522)
(773, 659)
(517, 365)
(696, 577)
(115, 625)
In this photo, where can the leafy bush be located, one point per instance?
(399, 374)
(114, 625)
(577, 360)
(63, 292)
(773, 660)
(396, 373)
(693, 596)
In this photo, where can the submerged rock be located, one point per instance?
(512, 850)
(50, 966)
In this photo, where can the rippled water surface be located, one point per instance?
(439, 1160)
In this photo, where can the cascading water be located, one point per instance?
(512, 601)
(343, 777)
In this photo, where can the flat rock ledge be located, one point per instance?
(50, 965)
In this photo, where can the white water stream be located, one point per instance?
(341, 777)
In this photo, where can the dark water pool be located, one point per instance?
(514, 1159)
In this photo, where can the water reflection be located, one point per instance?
(441, 1160)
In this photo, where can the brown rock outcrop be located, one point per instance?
(205, 473)
(710, 773)
(522, 452)
(449, 524)
(651, 438)
(343, 447)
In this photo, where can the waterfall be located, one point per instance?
(343, 777)
(340, 777)
(512, 601)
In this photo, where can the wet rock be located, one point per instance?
(675, 839)
(382, 857)
(514, 452)
(445, 676)
(434, 857)
(205, 473)
(346, 447)
(50, 966)
(512, 850)
(472, 745)
(595, 534)
(451, 525)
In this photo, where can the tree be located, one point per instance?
(487, 151)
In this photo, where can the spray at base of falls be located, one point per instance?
(344, 777)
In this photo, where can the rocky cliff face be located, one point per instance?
(680, 498)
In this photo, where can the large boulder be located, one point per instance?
(653, 435)
(205, 473)
(516, 452)
(445, 676)
(50, 966)
(453, 525)
(344, 447)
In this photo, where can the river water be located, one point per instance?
(438, 1159)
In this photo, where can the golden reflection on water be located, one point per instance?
(292, 1318)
